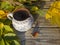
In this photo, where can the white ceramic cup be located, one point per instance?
(21, 26)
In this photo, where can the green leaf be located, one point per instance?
(15, 42)
(2, 42)
(6, 6)
(7, 22)
(10, 36)
(2, 20)
(1, 25)
(7, 43)
(1, 31)
(40, 12)
(10, 8)
(0, 38)
(8, 28)
(22, 1)
(1, 28)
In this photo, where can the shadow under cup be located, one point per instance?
(21, 15)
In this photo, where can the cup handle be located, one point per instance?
(10, 16)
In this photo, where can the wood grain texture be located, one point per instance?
(49, 35)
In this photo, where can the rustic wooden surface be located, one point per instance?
(48, 34)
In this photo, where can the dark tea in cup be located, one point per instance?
(21, 15)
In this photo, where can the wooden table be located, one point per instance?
(48, 34)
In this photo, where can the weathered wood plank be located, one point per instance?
(47, 36)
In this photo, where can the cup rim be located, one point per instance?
(24, 9)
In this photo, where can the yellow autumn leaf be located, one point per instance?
(2, 12)
(47, 16)
(58, 4)
(54, 11)
(3, 15)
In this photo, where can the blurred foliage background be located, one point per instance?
(7, 34)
